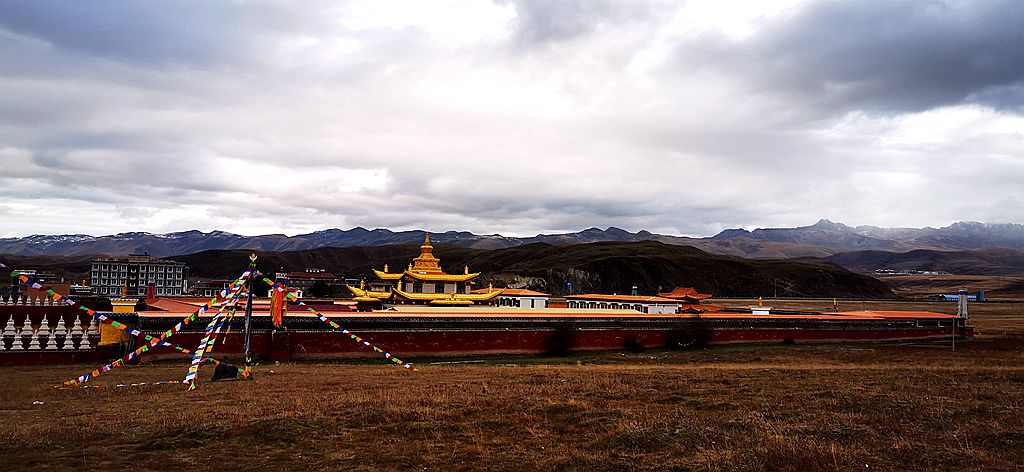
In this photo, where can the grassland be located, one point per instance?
(795, 407)
(997, 286)
(989, 319)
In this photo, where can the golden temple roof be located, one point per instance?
(388, 276)
(426, 267)
(471, 297)
(367, 295)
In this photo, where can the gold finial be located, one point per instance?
(385, 268)
(490, 287)
(467, 270)
(362, 284)
(252, 257)
(410, 267)
(760, 302)
(426, 241)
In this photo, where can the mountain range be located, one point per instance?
(821, 239)
(602, 267)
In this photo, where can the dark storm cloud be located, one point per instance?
(893, 56)
(147, 33)
(543, 22)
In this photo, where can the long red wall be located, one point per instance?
(311, 345)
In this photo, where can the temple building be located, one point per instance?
(424, 283)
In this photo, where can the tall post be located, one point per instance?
(961, 312)
(247, 373)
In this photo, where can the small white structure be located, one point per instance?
(9, 332)
(33, 343)
(9, 327)
(961, 307)
(760, 309)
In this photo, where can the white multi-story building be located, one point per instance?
(111, 275)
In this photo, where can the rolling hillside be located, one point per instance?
(606, 267)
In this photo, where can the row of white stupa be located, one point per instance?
(28, 301)
(50, 337)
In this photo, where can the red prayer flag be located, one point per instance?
(277, 307)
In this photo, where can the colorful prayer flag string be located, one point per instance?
(206, 344)
(226, 321)
(233, 290)
(291, 296)
(57, 297)
(138, 384)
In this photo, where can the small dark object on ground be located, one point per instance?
(224, 371)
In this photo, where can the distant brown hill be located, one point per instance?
(606, 267)
(992, 261)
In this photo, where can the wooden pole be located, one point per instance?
(247, 373)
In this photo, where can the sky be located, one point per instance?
(511, 117)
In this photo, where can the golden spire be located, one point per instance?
(467, 269)
(760, 302)
(490, 287)
(362, 284)
(426, 263)
(385, 268)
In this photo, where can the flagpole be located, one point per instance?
(247, 373)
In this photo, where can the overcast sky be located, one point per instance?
(512, 117)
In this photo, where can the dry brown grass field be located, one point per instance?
(997, 286)
(783, 407)
(989, 319)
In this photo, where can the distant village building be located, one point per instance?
(304, 281)
(109, 275)
(519, 298)
(691, 301)
(641, 303)
(208, 288)
(424, 283)
(48, 279)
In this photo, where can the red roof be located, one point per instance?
(167, 304)
(310, 275)
(685, 292)
(514, 292)
(699, 308)
(622, 298)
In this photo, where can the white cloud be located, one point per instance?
(512, 118)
